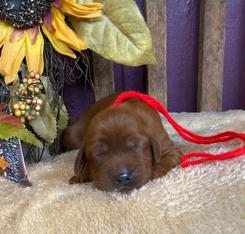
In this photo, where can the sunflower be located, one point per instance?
(23, 23)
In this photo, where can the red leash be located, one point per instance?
(192, 158)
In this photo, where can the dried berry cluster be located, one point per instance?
(29, 101)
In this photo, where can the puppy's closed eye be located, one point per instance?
(98, 151)
(98, 156)
(137, 142)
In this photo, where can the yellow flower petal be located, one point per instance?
(34, 50)
(4, 29)
(64, 33)
(58, 46)
(81, 11)
(17, 35)
(13, 53)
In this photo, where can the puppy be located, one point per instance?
(121, 148)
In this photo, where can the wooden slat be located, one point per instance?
(211, 55)
(103, 73)
(157, 74)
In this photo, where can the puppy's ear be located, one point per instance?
(165, 155)
(155, 148)
(81, 169)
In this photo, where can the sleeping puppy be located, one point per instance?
(121, 148)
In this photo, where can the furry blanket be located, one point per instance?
(207, 198)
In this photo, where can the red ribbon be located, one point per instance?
(192, 158)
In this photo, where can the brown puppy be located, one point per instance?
(121, 148)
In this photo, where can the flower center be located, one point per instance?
(24, 13)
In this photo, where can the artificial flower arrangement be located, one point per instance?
(41, 42)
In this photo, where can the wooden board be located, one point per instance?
(211, 55)
(103, 74)
(157, 74)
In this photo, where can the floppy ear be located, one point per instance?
(165, 155)
(81, 169)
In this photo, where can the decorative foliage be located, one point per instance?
(45, 123)
(28, 95)
(59, 111)
(11, 126)
(51, 119)
(62, 121)
(121, 35)
(28, 41)
(9, 119)
(36, 37)
(43, 114)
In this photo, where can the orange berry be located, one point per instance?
(16, 106)
(32, 74)
(17, 113)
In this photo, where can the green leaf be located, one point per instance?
(8, 131)
(45, 124)
(62, 120)
(48, 89)
(121, 35)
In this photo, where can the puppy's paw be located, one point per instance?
(74, 180)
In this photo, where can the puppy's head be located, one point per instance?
(117, 153)
(120, 168)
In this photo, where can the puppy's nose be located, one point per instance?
(124, 178)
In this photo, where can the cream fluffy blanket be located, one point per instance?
(207, 198)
